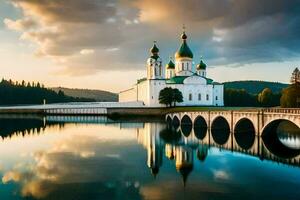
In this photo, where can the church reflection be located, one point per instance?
(186, 144)
(183, 144)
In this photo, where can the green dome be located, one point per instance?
(184, 50)
(201, 65)
(170, 65)
(154, 49)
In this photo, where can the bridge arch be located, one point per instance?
(169, 120)
(186, 124)
(220, 130)
(244, 133)
(175, 121)
(271, 138)
(200, 127)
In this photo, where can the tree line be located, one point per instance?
(242, 98)
(14, 93)
(288, 98)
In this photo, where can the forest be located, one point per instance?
(15, 93)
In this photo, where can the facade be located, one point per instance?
(196, 88)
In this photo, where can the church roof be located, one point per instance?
(170, 65)
(176, 80)
(154, 49)
(201, 65)
(184, 50)
(180, 79)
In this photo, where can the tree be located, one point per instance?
(166, 96)
(295, 78)
(265, 97)
(239, 97)
(12, 94)
(169, 96)
(291, 96)
(177, 96)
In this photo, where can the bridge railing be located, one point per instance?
(282, 110)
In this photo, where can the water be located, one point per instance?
(97, 158)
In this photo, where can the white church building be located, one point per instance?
(192, 81)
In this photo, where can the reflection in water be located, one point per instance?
(15, 125)
(272, 134)
(220, 130)
(244, 133)
(200, 128)
(202, 152)
(186, 125)
(288, 134)
(104, 162)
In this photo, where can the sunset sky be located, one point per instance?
(104, 44)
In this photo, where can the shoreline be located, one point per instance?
(128, 111)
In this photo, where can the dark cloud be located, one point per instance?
(119, 32)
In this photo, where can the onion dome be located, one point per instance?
(184, 50)
(170, 65)
(154, 171)
(154, 49)
(202, 153)
(185, 171)
(201, 66)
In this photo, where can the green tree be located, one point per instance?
(177, 96)
(239, 97)
(169, 96)
(265, 97)
(291, 96)
(166, 96)
(12, 93)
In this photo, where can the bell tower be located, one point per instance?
(154, 64)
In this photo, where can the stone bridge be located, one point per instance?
(256, 119)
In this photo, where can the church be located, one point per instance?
(191, 80)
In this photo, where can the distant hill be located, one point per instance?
(98, 95)
(255, 87)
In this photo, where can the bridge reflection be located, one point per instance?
(187, 143)
(183, 142)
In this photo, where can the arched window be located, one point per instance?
(182, 66)
(159, 73)
(207, 97)
(190, 97)
(199, 97)
(216, 98)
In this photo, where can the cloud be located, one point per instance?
(225, 32)
(87, 51)
(21, 24)
(82, 163)
(221, 175)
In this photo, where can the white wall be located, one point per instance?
(148, 92)
(128, 95)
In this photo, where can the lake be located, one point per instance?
(87, 157)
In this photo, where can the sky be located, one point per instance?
(104, 44)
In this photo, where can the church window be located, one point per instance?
(182, 65)
(207, 97)
(156, 72)
(159, 70)
(216, 97)
(199, 97)
(190, 97)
